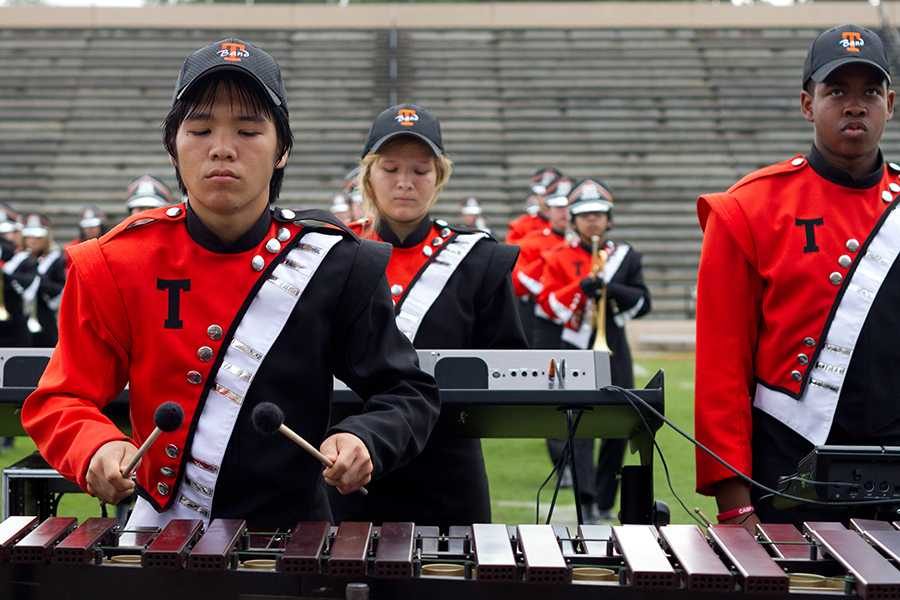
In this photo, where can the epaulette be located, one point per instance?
(442, 224)
(174, 213)
(792, 165)
(319, 219)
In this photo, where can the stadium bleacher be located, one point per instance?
(660, 114)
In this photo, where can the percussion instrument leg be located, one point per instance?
(637, 494)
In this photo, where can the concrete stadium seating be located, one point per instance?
(660, 114)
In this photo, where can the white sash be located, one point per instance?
(581, 337)
(811, 416)
(257, 331)
(434, 278)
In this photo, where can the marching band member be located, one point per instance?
(340, 208)
(147, 192)
(451, 289)
(797, 292)
(541, 181)
(39, 272)
(92, 223)
(470, 212)
(13, 323)
(530, 265)
(571, 292)
(219, 304)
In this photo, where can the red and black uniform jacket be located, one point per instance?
(474, 308)
(796, 313)
(627, 297)
(155, 303)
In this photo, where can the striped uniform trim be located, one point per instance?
(257, 331)
(812, 415)
(425, 291)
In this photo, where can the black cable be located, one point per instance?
(629, 395)
(665, 466)
(554, 470)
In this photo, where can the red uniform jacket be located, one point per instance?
(154, 304)
(523, 225)
(527, 272)
(778, 250)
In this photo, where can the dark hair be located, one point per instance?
(245, 92)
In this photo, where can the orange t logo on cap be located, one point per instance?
(851, 41)
(233, 52)
(407, 117)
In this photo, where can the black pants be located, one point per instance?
(526, 314)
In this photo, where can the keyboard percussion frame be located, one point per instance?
(57, 560)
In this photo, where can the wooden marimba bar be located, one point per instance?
(59, 559)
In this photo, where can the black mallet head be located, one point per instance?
(267, 418)
(168, 416)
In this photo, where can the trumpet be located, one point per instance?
(598, 263)
(4, 314)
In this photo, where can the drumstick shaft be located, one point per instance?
(311, 450)
(141, 451)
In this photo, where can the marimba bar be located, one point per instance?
(480, 561)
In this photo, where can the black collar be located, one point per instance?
(413, 239)
(201, 234)
(841, 177)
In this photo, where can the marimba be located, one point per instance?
(58, 559)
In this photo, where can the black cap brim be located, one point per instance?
(214, 68)
(395, 134)
(822, 73)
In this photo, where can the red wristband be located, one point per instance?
(740, 511)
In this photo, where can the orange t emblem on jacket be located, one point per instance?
(233, 51)
(407, 117)
(852, 41)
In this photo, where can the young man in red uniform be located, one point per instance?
(219, 304)
(570, 294)
(798, 289)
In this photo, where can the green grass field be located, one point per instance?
(517, 467)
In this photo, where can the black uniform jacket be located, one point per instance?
(447, 483)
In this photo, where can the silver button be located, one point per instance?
(441, 223)
(836, 278)
(194, 377)
(173, 212)
(798, 161)
(273, 246)
(396, 289)
(809, 341)
(845, 261)
(894, 187)
(162, 488)
(803, 359)
(287, 214)
(852, 245)
(437, 241)
(214, 332)
(167, 472)
(284, 234)
(205, 353)
(427, 251)
(796, 375)
(445, 232)
(894, 166)
(258, 263)
(172, 451)
(887, 196)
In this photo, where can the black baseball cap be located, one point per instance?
(233, 55)
(405, 119)
(844, 45)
